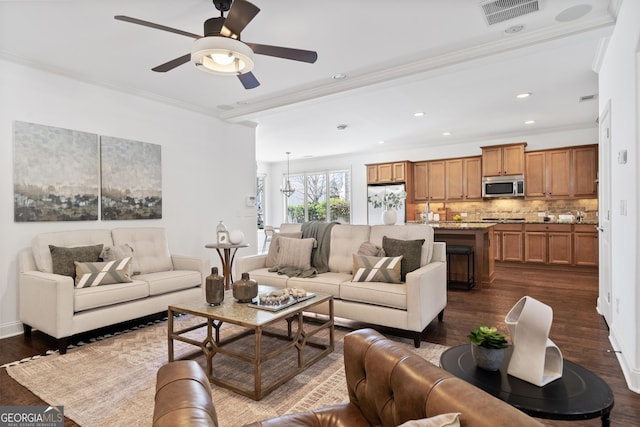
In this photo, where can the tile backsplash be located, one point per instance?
(514, 208)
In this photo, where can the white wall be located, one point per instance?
(208, 167)
(356, 163)
(619, 82)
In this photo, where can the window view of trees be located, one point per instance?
(310, 202)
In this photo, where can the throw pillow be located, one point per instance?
(272, 255)
(103, 273)
(62, 258)
(442, 420)
(295, 253)
(369, 249)
(376, 269)
(113, 253)
(411, 250)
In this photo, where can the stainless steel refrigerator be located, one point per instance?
(375, 214)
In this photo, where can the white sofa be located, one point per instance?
(52, 304)
(410, 305)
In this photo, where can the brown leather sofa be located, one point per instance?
(387, 384)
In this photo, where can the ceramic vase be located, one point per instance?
(214, 287)
(489, 359)
(389, 216)
(236, 237)
(535, 359)
(245, 289)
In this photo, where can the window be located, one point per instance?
(320, 196)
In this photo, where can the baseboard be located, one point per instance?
(11, 329)
(631, 374)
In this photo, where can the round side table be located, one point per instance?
(227, 253)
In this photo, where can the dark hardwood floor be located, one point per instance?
(577, 329)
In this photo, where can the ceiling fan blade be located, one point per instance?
(248, 80)
(239, 16)
(284, 52)
(168, 66)
(156, 26)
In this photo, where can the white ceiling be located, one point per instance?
(435, 56)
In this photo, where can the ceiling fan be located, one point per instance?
(220, 50)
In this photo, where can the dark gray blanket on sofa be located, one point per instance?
(321, 231)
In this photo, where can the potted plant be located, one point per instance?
(389, 202)
(487, 347)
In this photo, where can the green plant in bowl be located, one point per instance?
(487, 337)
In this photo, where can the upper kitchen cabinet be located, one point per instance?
(384, 173)
(585, 171)
(500, 160)
(562, 173)
(463, 179)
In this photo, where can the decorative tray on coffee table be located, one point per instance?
(279, 300)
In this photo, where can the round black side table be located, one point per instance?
(578, 395)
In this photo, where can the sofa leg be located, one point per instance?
(62, 344)
(416, 339)
(27, 330)
(441, 316)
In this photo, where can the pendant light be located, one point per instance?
(288, 189)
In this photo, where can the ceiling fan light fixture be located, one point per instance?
(222, 56)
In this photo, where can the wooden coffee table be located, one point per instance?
(578, 395)
(253, 321)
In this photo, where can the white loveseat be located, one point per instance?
(53, 304)
(410, 305)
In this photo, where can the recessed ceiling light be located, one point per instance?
(446, 133)
(418, 114)
(514, 29)
(523, 95)
(339, 76)
(529, 122)
(380, 142)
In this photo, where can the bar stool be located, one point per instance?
(471, 266)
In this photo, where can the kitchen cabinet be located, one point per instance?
(508, 242)
(420, 184)
(463, 179)
(429, 181)
(436, 180)
(458, 179)
(585, 171)
(585, 243)
(383, 173)
(500, 160)
(548, 243)
(561, 173)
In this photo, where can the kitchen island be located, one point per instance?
(478, 235)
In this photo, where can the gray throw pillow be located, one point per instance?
(63, 258)
(411, 251)
(369, 249)
(274, 247)
(295, 253)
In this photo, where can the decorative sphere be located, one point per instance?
(236, 237)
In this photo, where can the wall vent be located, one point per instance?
(496, 11)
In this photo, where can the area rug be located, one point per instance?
(112, 382)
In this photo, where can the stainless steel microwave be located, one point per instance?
(503, 186)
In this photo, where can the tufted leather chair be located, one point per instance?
(387, 384)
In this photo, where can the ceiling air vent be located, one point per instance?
(588, 98)
(496, 11)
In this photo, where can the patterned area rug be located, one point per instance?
(112, 382)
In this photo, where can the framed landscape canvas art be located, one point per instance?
(131, 179)
(56, 174)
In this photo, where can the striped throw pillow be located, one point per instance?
(376, 269)
(103, 273)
